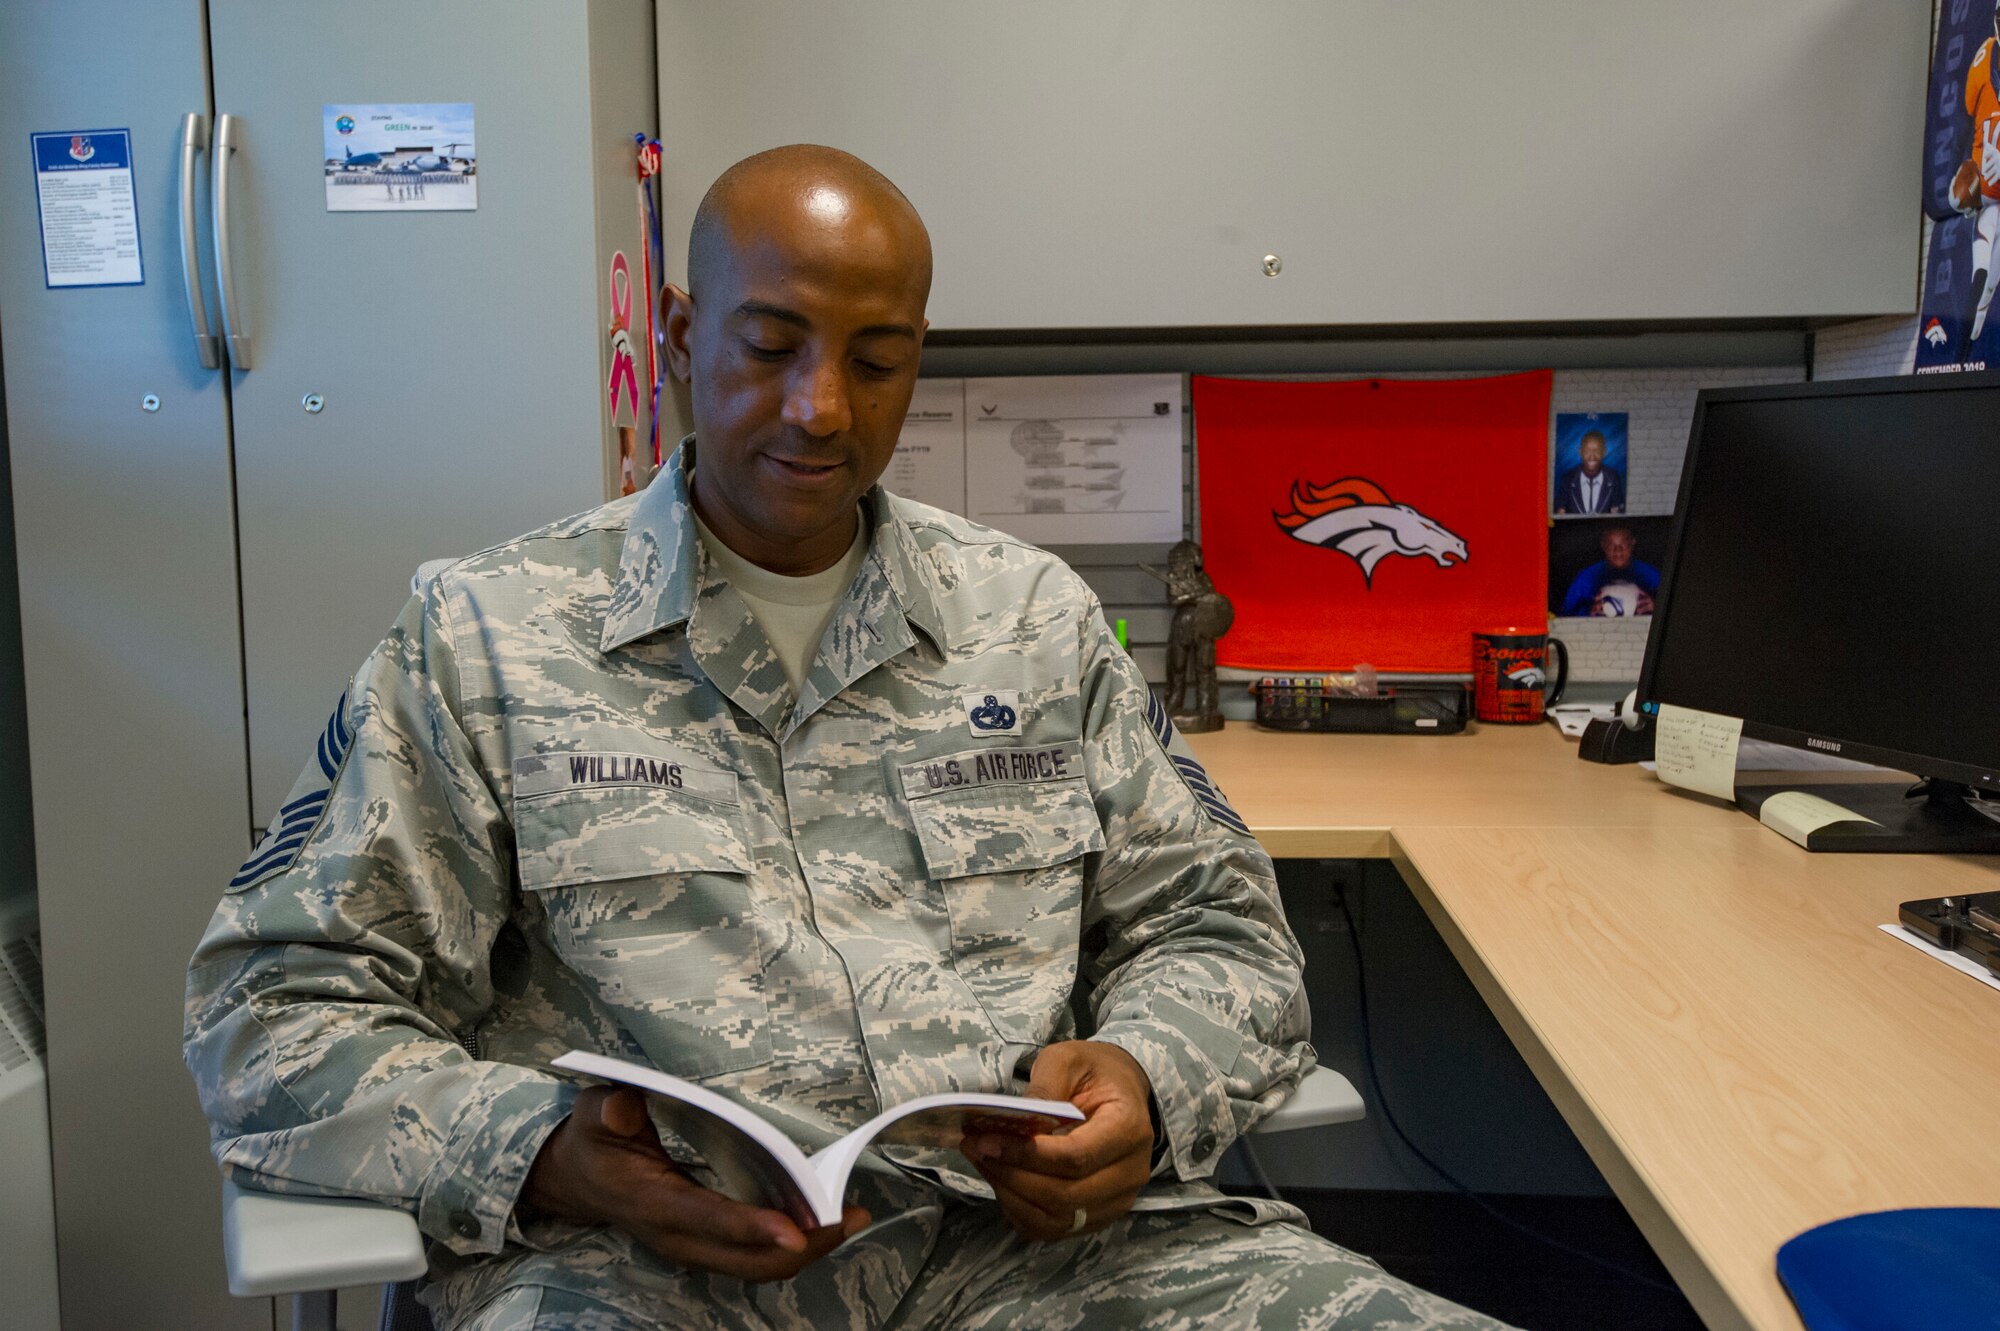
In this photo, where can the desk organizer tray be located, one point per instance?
(1309, 703)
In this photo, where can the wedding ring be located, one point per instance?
(1082, 1219)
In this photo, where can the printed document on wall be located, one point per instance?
(1076, 460)
(929, 462)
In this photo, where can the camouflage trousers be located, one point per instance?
(1172, 1271)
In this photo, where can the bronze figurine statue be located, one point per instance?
(1201, 615)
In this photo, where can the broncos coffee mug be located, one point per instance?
(1510, 671)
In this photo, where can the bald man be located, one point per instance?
(810, 794)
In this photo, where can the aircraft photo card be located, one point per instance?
(400, 157)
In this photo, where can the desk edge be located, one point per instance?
(1697, 1280)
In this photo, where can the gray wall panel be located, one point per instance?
(1127, 163)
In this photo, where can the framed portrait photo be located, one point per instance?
(1590, 464)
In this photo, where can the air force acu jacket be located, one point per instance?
(571, 801)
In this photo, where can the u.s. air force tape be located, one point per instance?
(663, 769)
(992, 767)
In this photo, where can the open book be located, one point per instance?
(758, 1164)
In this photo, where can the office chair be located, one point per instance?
(307, 1247)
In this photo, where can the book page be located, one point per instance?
(1697, 750)
(940, 1121)
(754, 1162)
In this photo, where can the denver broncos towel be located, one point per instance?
(1377, 520)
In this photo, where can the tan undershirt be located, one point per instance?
(792, 611)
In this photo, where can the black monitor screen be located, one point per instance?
(1830, 573)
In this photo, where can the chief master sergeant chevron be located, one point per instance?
(822, 798)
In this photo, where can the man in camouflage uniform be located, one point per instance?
(584, 796)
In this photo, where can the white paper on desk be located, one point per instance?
(1697, 750)
(1951, 959)
(1572, 719)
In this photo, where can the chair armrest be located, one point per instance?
(1323, 1097)
(276, 1244)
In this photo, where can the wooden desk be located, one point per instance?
(1711, 1008)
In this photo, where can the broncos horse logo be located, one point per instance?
(1358, 519)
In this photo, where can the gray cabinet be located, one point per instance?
(1129, 163)
(458, 355)
(203, 558)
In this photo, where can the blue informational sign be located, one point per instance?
(89, 213)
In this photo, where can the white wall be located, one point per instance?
(1866, 348)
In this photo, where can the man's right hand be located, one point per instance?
(604, 1165)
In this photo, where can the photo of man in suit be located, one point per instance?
(1591, 487)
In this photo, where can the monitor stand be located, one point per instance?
(1930, 816)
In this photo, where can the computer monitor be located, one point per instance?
(1829, 579)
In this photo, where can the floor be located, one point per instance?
(1446, 1243)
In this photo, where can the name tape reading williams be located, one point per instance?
(666, 769)
(992, 767)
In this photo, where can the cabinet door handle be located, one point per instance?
(194, 138)
(233, 327)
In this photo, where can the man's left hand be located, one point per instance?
(1054, 1187)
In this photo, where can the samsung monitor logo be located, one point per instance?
(1826, 744)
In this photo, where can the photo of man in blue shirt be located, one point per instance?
(1617, 584)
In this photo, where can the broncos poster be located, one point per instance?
(1961, 192)
(1377, 520)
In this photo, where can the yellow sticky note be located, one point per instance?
(1795, 815)
(1697, 750)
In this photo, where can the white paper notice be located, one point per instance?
(1076, 460)
(90, 219)
(1697, 750)
(929, 462)
(1796, 815)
